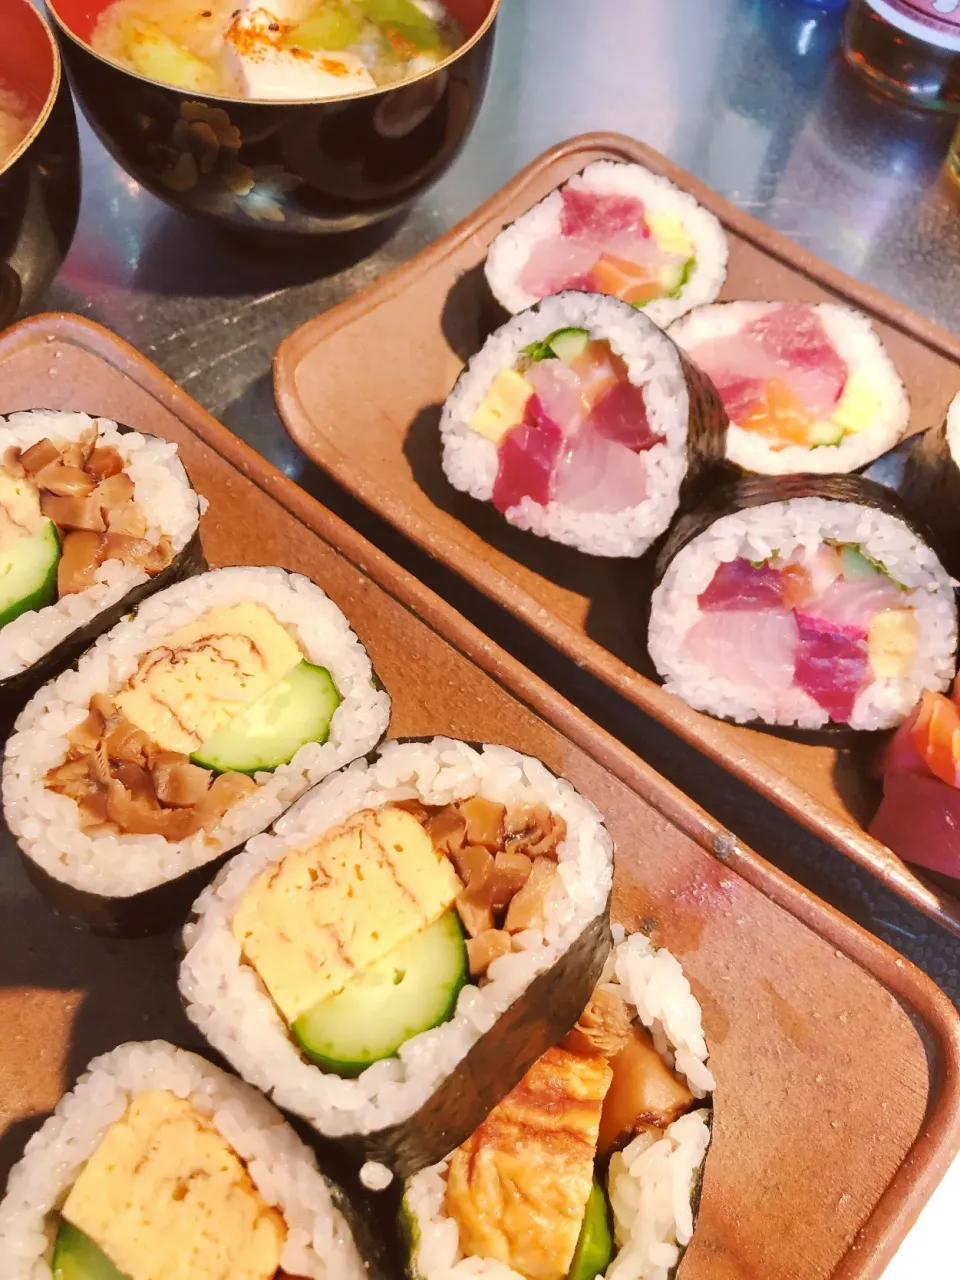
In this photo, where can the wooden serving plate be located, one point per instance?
(360, 389)
(838, 1107)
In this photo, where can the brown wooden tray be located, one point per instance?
(839, 1063)
(360, 388)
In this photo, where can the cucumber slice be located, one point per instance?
(271, 731)
(855, 565)
(825, 433)
(410, 990)
(76, 1257)
(398, 13)
(28, 573)
(567, 344)
(595, 1246)
(335, 27)
(155, 55)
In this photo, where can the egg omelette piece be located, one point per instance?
(518, 1187)
(328, 911)
(205, 673)
(166, 1198)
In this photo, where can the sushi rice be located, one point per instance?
(470, 460)
(755, 534)
(858, 345)
(651, 1183)
(319, 1243)
(162, 491)
(227, 1001)
(46, 824)
(509, 252)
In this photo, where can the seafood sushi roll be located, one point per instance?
(616, 229)
(806, 388)
(591, 1166)
(185, 730)
(580, 421)
(158, 1164)
(931, 483)
(93, 517)
(392, 957)
(803, 603)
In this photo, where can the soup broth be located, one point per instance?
(277, 49)
(16, 119)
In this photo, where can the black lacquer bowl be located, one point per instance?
(284, 168)
(40, 181)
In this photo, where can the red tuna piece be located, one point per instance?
(740, 396)
(620, 414)
(919, 818)
(832, 664)
(596, 215)
(527, 457)
(900, 754)
(739, 585)
(794, 333)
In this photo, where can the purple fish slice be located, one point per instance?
(740, 585)
(832, 664)
(527, 459)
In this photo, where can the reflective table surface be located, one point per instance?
(749, 95)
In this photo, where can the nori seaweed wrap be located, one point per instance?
(595, 1159)
(185, 730)
(409, 938)
(930, 486)
(812, 606)
(94, 517)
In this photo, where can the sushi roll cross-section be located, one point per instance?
(578, 420)
(807, 611)
(591, 1165)
(188, 728)
(160, 1166)
(807, 388)
(350, 961)
(616, 229)
(91, 516)
(931, 483)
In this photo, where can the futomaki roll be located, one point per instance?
(93, 517)
(931, 484)
(186, 729)
(616, 229)
(159, 1165)
(580, 421)
(396, 953)
(592, 1165)
(812, 604)
(807, 388)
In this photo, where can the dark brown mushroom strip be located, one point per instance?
(38, 456)
(127, 519)
(104, 461)
(137, 552)
(416, 808)
(484, 821)
(115, 491)
(603, 1027)
(485, 948)
(534, 830)
(526, 908)
(73, 512)
(644, 1093)
(126, 743)
(79, 558)
(178, 783)
(13, 464)
(476, 919)
(88, 732)
(447, 828)
(512, 873)
(66, 482)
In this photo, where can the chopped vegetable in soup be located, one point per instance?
(280, 49)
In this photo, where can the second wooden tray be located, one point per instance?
(360, 389)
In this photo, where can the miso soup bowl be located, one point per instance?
(40, 181)
(286, 168)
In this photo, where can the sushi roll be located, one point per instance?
(160, 1166)
(93, 517)
(807, 388)
(580, 421)
(392, 957)
(803, 602)
(592, 1165)
(931, 483)
(616, 229)
(185, 730)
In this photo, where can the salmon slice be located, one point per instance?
(780, 416)
(936, 735)
(627, 280)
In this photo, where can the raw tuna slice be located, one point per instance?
(832, 664)
(597, 475)
(740, 586)
(740, 395)
(527, 457)
(900, 753)
(854, 604)
(795, 334)
(936, 736)
(620, 415)
(598, 215)
(754, 649)
(919, 818)
(557, 264)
